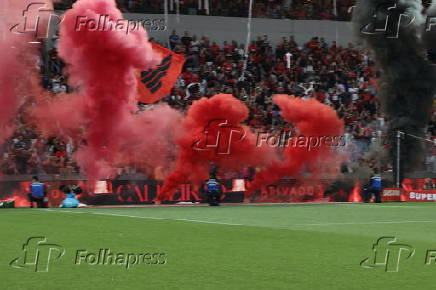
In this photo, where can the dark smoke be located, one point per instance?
(408, 80)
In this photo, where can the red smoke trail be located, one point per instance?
(148, 140)
(312, 119)
(10, 69)
(213, 133)
(101, 65)
(18, 57)
(60, 115)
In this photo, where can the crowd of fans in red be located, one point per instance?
(341, 77)
(291, 9)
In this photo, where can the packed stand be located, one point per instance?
(341, 77)
(277, 9)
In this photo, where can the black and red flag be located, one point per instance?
(157, 82)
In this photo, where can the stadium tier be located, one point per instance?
(217, 144)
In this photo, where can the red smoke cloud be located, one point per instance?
(17, 58)
(213, 133)
(101, 66)
(312, 119)
(148, 139)
(10, 69)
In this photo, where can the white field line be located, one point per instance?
(236, 224)
(386, 206)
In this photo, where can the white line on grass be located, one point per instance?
(388, 206)
(148, 217)
(235, 224)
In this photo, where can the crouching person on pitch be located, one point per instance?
(70, 200)
(213, 191)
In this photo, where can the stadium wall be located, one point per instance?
(144, 191)
(221, 29)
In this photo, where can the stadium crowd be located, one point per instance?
(291, 9)
(341, 77)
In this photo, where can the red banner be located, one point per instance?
(391, 194)
(157, 82)
(419, 195)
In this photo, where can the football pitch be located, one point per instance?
(304, 246)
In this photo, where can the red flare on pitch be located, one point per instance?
(355, 195)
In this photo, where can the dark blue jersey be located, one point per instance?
(37, 189)
(212, 185)
(376, 182)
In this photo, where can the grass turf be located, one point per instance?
(307, 246)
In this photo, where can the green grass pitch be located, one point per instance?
(304, 246)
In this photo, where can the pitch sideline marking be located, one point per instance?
(388, 206)
(235, 224)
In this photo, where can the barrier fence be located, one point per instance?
(142, 192)
(123, 192)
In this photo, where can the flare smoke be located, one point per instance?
(392, 31)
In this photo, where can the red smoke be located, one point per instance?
(213, 133)
(148, 139)
(17, 58)
(311, 119)
(10, 68)
(61, 115)
(101, 65)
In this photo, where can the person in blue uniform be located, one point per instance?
(213, 191)
(375, 186)
(37, 193)
(70, 200)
